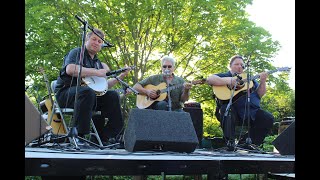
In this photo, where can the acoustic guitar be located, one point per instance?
(225, 92)
(144, 101)
(58, 127)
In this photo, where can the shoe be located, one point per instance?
(243, 138)
(251, 147)
(115, 143)
(112, 140)
(231, 145)
(95, 140)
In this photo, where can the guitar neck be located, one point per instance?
(171, 88)
(180, 85)
(48, 86)
(258, 76)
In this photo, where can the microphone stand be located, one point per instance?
(248, 143)
(229, 127)
(106, 43)
(248, 139)
(168, 92)
(169, 98)
(73, 133)
(125, 85)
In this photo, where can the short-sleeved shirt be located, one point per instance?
(175, 94)
(73, 57)
(240, 104)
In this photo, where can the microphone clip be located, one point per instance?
(239, 78)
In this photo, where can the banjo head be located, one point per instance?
(98, 84)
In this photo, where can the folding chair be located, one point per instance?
(69, 111)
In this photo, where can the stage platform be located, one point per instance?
(65, 161)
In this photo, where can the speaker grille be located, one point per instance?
(160, 130)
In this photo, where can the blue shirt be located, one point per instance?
(239, 102)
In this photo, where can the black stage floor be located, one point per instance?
(64, 160)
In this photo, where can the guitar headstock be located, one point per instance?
(287, 69)
(41, 69)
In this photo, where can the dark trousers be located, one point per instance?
(109, 105)
(259, 128)
(85, 105)
(87, 102)
(162, 105)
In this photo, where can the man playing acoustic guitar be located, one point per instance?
(89, 99)
(231, 83)
(153, 93)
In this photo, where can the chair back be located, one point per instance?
(53, 85)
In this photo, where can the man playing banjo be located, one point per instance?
(89, 100)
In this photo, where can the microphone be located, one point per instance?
(82, 21)
(167, 72)
(116, 71)
(243, 66)
(106, 44)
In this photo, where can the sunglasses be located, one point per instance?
(165, 66)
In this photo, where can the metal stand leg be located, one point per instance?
(96, 133)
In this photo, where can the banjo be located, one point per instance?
(100, 84)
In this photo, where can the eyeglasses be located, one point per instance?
(165, 66)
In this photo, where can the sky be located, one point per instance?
(278, 17)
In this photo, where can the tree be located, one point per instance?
(200, 34)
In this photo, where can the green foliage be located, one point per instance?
(281, 103)
(267, 145)
(202, 35)
(211, 128)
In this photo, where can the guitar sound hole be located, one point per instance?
(155, 98)
(239, 87)
(57, 120)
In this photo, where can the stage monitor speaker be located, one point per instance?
(196, 114)
(285, 142)
(159, 130)
(35, 125)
